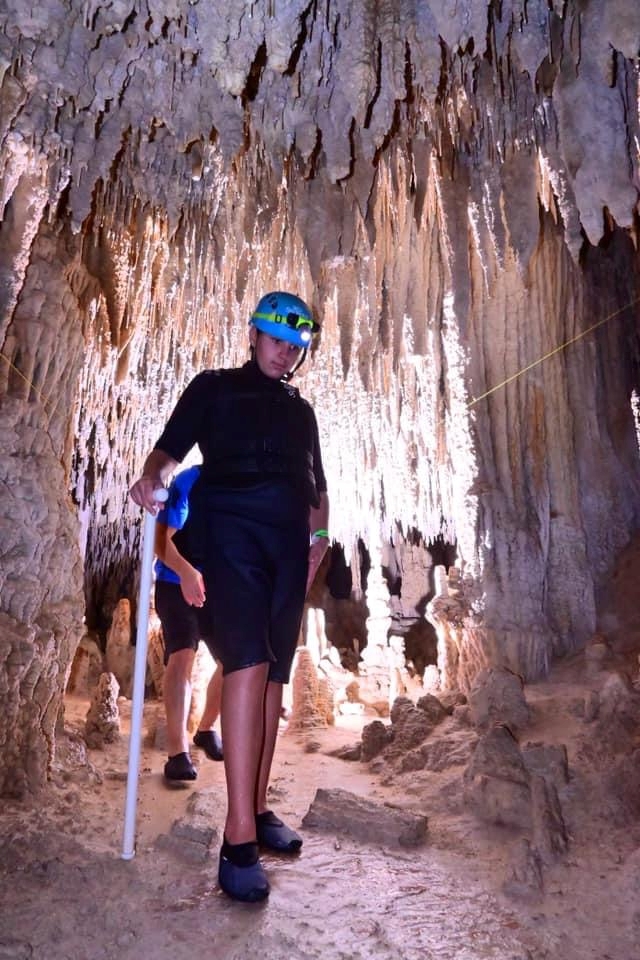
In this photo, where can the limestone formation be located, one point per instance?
(410, 725)
(549, 761)
(119, 653)
(501, 789)
(497, 785)
(497, 696)
(442, 750)
(616, 719)
(86, 668)
(453, 187)
(375, 737)
(191, 837)
(524, 880)
(309, 702)
(102, 724)
(346, 813)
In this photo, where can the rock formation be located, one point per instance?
(452, 186)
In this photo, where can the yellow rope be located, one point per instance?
(551, 353)
(483, 396)
(28, 382)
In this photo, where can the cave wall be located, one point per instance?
(452, 186)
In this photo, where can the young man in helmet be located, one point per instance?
(260, 512)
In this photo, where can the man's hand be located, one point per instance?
(157, 467)
(192, 586)
(143, 492)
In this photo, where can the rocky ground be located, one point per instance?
(565, 885)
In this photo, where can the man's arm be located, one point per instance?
(191, 582)
(318, 525)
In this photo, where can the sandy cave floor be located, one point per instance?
(66, 892)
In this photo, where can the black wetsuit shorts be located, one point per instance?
(255, 555)
(183, 626)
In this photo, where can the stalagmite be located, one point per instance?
(309, 701)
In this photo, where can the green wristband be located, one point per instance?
(318, 536)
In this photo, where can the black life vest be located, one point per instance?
(257, 427)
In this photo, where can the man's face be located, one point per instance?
(274, 357)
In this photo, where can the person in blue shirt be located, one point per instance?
(179, 601)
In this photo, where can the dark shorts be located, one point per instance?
(183, 626)
(255, 548)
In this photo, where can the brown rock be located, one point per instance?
(342, 812)
(102, 724)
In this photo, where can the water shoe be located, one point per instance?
(240, 873)
(179, 767)
(275, 835)
(210, 742)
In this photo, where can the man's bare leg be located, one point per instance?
(206, 737)
(213, 702)
(177, 698)
(243, 703)
(271, 832)
(272, 707)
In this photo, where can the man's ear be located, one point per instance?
(253, 335)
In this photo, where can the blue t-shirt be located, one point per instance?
(175, 513)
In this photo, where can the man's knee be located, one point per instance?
(180, 664)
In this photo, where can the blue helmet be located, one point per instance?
(286, 317)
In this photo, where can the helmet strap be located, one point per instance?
(301, 360)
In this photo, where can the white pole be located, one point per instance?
(139, 675)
